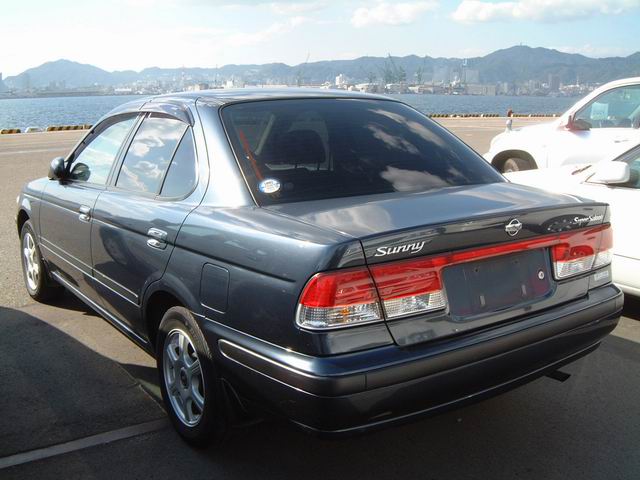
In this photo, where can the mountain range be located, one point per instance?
(514, 64)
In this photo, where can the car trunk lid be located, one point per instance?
(493, 239)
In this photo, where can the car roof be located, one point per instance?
(222, 96)
(620, 82)
(175, 102)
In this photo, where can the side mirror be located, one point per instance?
(611, 173)
(57, 169)
(576, 125)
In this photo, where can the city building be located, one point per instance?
(442, 75)
(480, 89)
(470, 76)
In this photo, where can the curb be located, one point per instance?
(52, 128)
(491, 115)
(60, 128)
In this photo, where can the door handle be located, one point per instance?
(158, 238)
(85, 213)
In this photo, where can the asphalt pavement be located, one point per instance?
(78, 400)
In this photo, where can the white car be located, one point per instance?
(616, 182)
(602, 125)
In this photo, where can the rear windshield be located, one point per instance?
(310, 149)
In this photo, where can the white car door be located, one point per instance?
(613, 119)
(625, 202)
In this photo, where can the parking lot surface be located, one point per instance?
(81, 401)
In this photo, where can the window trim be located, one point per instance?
(94, 133)
(114, 173)
(588, 104)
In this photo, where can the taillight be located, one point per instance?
(339, 299)
(580, 252)
(410, 287)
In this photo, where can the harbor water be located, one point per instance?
(42, 112)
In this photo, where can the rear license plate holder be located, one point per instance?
(498, 283)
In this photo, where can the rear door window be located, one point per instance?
(148, 157)
(308, 149)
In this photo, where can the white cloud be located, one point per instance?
(385, 13)
(261, 36)
(282, 8)
(476, 11)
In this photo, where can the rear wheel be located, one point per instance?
(516, 164)
(36, 278)
(191, 388)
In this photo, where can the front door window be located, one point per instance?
(617, 108)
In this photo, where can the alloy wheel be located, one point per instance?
(30, 260)
(183, 377)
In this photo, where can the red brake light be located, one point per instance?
(338, 299)
(337, 289)
(410, 287)
(581, 251)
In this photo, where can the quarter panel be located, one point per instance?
(269, 259)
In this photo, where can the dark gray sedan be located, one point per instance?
(337, 259)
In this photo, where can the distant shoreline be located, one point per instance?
(71, 95)
(83, 95)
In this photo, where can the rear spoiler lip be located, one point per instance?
(482, 230)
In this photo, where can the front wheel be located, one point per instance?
(35, 275)
(191, 389)
(516, 164)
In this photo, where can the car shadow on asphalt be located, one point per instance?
(631, 307)
(55, 389)
(147, 376)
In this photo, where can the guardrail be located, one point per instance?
(491, 115)
(52, 128)
(60, 128)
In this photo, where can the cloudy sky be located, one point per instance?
(134, 34)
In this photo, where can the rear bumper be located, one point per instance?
(365, 390)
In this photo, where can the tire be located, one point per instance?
(516, 164)
(34, 271)
(194, 398)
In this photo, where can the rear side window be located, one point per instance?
(181, 177)
(147, 160)
(308, 149)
